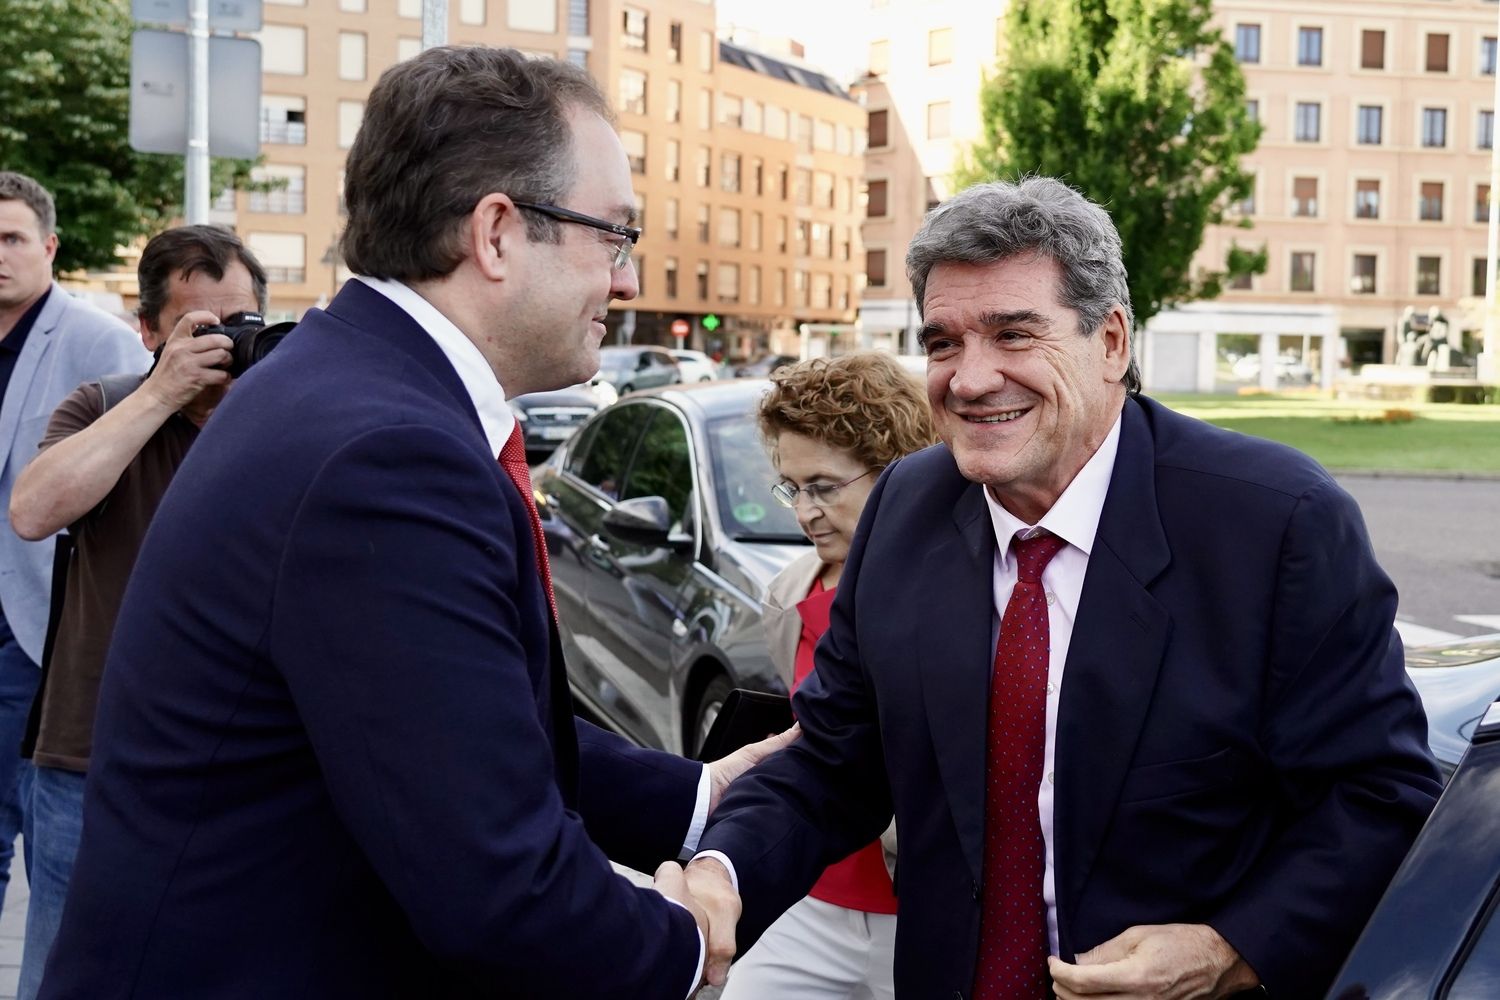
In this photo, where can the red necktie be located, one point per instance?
(513, 461)
(1013, 945)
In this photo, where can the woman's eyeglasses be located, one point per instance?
(819, 494)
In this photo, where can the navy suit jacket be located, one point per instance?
(335, 753)
(1237, 742)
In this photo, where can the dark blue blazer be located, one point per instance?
(1237, 741)
(335, 753)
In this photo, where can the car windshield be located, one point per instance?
(743, 476)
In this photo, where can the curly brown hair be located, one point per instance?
(864, 403)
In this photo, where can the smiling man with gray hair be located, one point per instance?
(1128, 682)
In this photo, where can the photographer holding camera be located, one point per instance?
(110, 450)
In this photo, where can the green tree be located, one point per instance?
(1140, 104)
(65, 90)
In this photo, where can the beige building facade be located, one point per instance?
(746, 166)
(1371, 180)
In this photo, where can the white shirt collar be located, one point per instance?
(478, 377)
(1075, 516)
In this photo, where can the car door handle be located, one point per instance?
(598, 544)
(679, 627)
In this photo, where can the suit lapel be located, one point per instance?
(38, 342)
(955, 662)
(1119, 639)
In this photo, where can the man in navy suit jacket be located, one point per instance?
(1233, 762)
(335, 754)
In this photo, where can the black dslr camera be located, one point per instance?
(253, 340)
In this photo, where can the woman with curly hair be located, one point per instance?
(831, 426)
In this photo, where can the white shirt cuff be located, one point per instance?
(702, 952)
(700, 815)
(723, 859)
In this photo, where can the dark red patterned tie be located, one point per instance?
(513, 461)
(1013, 944)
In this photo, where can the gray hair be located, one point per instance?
(1039, 215)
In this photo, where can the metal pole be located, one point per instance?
(434, 23)
(195, 169)
(1489, 358)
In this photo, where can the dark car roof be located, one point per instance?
(711, 400)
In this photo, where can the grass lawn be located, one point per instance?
(1348, 434)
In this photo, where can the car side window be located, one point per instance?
(663, 466)
(578, 448)
(612, 439)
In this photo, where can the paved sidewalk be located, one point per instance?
(13, 927)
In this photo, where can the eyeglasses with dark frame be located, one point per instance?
(820, 494)
(628, 234)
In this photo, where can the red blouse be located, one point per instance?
(860, 881)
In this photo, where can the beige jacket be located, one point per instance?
(783, 627)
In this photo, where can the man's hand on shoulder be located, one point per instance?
(723, 772)
(189, 364)
(1156, 962)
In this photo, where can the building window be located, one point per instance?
(757, 176)
(940, 46)
(752, 294)
(937, 119)
(1362, 280)
(1434, 127)
(784, 182)
(1372, 49)
(1240, 283)
(1247, 43)
(877, 126)
(1487, 55)
(283, 255)
(1305, 197)
(1370, 125)
(1309, 46)
(288, 199)
(633, 91)
(670, 284)
(408, 48)
(823, 136)
(706, 45)
(351, 55)
(283, 120)
(729, 172)
(674, 100)
(1252, 109)
(729, 283)
(775, 121)
(1430, 202)
(702, 276)
(674, 160)
(804, 186)
(804, 239)
(729, 227)
(880, 58)
(702, 223)
(705, 110)
(704, 166)
(731, 111)
(471, 11)
(578, 18)
(352, 6)
(674, 42)
(780, 287)
(752, 117)
(804, 134)
(1482, 203)
(1366, 199)
(283, 49)
(672, 209)
(875, 268)
(579, 58)
(635, 149)
(633, 30)
(351, 113)
(1309, 125)
(1480, 272)
(532, 15)
(875, 207)
(781, 231)
(754, 232)
(823, 189)
(1484, 133)
(1303, 264)
(1429, 275)
(1437, 53)
(1246, 205)
(409, 8)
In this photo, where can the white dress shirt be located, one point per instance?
(1075, 519)
(497, 420)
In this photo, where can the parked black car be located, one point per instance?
(663, 535)
(642, 367)
(548, 419)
